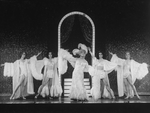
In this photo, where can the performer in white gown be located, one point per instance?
(78, 91)
(128, 71)
(22, 79)
(50, 83)
(99, 71)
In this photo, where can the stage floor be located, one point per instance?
(31, 100)
(65, 105)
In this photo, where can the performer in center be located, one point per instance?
(78, 91)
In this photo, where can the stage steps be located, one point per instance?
(68, 82)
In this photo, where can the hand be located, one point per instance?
(89, 49)
(111, 53)
(39, 53)
(148, 65)
(2, 64)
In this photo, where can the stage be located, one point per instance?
(31, 100)
(66, 105)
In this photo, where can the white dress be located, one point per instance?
(100, 70)
(78, 90)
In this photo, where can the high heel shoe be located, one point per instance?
(36, 96)
(11, 98)
(24, 98)
(138, 97)
(127, 97)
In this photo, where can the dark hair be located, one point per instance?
(49, 52)
(21, 53)
(83, 50)
(129, 53)
(100, 52)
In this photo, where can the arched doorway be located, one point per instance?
(92, 33)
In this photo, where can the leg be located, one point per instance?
(102, 87)
(23, 87)
(105, 80)
(50, 85)
(44, 82)
(126, 86)
(22, 77)
(129, 79)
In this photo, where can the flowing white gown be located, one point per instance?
(78, 90)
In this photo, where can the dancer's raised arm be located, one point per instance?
(90, 52)
(2, 65)
(38, 54)
(111, 53)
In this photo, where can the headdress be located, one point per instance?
(80, 48)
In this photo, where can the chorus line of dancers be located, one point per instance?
(24, 70)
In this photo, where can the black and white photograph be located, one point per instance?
(74, 56)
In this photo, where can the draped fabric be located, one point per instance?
(33, 69)
(100, 74)
(62, 65)
(86, 28)
(13, 70)
(56, 89)
(78, 90)
(66, 28)
(8, 69)
(36, 67)
(119, 70)
(65, 56)
(138, 71)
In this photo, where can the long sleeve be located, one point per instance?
(37, 75)
(117, 60)
(62, 65)
(119, 69)
(86, 69)
(56, 89)
(138, 70)
(109, 66)
(91, 69)
(63, 57)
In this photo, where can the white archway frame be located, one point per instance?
(59, 29)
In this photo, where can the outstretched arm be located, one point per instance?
(2, 65)
(111, 53)
(38, 54)
(148, 66)
(91, 52)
